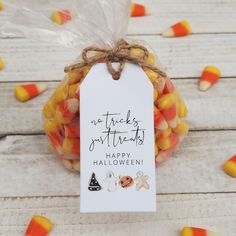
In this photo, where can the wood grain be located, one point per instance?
(29, 168)
(27, 60)
(204, 16)
(205, 109)
(211, 211)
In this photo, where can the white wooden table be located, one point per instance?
(192, 189)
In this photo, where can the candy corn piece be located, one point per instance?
(210, 76)
(170, 115)
(191, 231)
(39, 226)
(1, 5)
(139, 10)
(159, 121)
(179, 29)
(61, 17)
(28, 91)
(230, 166)
(67, 110)
(169, 87)
(1, 60)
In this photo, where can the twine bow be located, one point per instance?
(120, 53)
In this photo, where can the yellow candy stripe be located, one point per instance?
(21, 94)
(186, 25)
(43, 221)
(213, 69)
(230, 168)
(186, 231)
(55, 17)
(1, 5)
(1, 62)
(166, 101)
(181, 129)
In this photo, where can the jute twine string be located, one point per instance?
(120, 53)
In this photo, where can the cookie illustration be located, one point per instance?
(111, 182)
(93, 184)
(141, 181)
(126, 181)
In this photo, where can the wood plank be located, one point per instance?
(27, 60)
(29, 168)
(212, 16)
(205, 16)
(212, 211)
(214, 109)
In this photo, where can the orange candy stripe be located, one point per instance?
(138, 10)
(35, 229)
(158, 118)
(170, 113)
(179, 29)
(65, 15)
(31, 89)
(199, 232)
(72, 130)
(209, 76)
(76, 146)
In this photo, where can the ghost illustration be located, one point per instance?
(111, 181)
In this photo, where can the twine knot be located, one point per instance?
(120, 54)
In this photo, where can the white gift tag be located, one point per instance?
(117, 141)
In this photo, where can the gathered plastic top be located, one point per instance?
(100, 22)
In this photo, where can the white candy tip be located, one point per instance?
(148, 11)
(162, 126)
(204, 86)
(173, 123)
(42, 87)
(168, 33)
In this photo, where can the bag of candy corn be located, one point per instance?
(96, 27)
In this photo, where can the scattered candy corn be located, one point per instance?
(1, 5)
(28, 91)
(230, 166)
(210, 76)
(39, 226)
(191, 231)
(179, 29)
(139, 10)
(1, 61)
(61, 17)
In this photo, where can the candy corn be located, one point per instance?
(28, 91)
(67, 110)
(61, 17)
(230, 166)
(159, 121)
(1, 60)
(179, 29)
(166, 101)
(1, 5)
(210, 76)
(139, 10)
(39, 226)
(191, 231)
(170, 115)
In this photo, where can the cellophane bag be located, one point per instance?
(79, 24)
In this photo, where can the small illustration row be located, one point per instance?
(111, 181)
